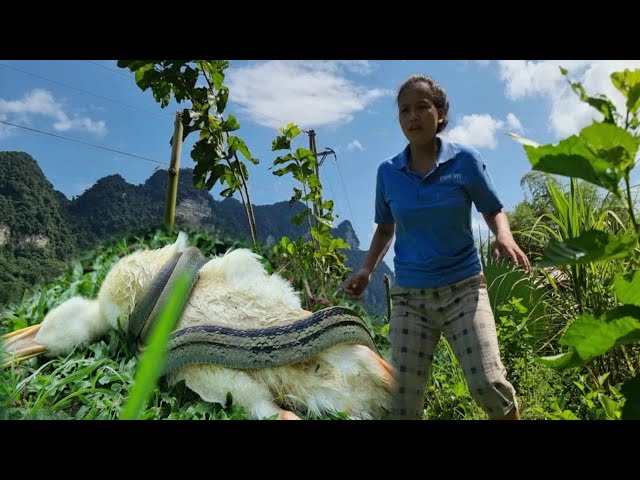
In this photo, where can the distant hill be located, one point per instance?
(35, 236)
(31, 210)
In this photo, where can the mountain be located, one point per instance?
(41, 224)
(35, 237)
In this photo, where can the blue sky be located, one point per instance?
(350, 104)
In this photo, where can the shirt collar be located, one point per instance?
(446, 153)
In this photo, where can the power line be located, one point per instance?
(345, 190)
(120, 152)
(129, 77)
(84, 91)
(86, 143)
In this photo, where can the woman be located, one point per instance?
(424, 196)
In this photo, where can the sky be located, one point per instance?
(350, 104)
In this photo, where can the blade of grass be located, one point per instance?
(154, 356)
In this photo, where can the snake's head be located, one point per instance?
(131, 277)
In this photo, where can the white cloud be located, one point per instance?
(361, 67)
(312, 93)
(513, 123)
(479, 130)
(353, 145)
(5, 130)
(567, 115)
(42, 102)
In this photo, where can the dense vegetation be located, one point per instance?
(35, 238)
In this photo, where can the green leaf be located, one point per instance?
(628, 82)
(154, 356)
(631, 392)
(280, 143)
(628, 291)
(241, 146)
(292, 131)
(221, 100)
(612, 143)
(599, 102)
(592, 337)
(599, 155)
(218, 78)
(298, 219)
(561, 361)
(227, 192)
(325, 222)
(230, 124)
(591, 246)
(199, 173)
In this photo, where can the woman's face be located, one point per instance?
(418, 115)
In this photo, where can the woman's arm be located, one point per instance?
(380, 243)
(499, 224)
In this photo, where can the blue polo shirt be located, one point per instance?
(434, 241)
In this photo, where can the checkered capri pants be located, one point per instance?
(463, 313)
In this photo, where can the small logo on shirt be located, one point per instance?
(451, 176)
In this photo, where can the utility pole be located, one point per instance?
(174, 169)
(312, 147)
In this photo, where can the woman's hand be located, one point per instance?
(355, 284)
(505, 244)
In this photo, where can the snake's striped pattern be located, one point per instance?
(237, 348)
(267, 347)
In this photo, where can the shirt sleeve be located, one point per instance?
(480, 187)
(383, 213)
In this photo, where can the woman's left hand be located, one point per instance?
(505, 244)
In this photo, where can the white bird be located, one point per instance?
(233, 290)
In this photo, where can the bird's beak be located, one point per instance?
(20, 345)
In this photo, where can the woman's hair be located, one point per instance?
(438, 96)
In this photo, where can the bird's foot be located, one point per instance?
(20, 345)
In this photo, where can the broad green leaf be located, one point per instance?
(631, 392)
(628, 82)
(298, 219)
(598, 155)
(291, 131)
(230, 124)
(628, 291)
(280, 143)
(305, 155)
(561, 361)
(280, 160)
(611, 407)
(218, 78)
(241, 146)
(199, 173)
(592, 336)
(612, 143)
(591, 246)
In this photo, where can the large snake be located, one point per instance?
(242, 348)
